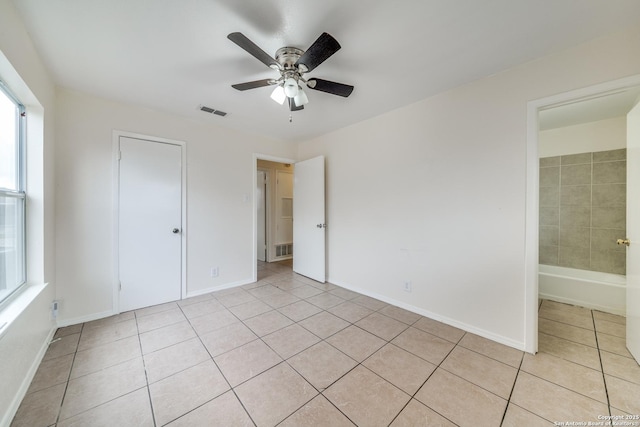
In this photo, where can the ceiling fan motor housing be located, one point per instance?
(288, 56)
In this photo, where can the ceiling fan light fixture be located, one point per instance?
(279, 95)
(291, 87)
(301, 98)
(292, 63)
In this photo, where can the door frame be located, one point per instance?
(533, 191)
(267, 219)
(116, 209)
(254, 213)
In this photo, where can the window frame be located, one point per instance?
(20, 192)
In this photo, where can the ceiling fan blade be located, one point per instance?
(254, 84)
(319, 51)
(242, 41)
(330, 87)
(293, 106)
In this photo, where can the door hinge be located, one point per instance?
(119, 155)
(119, 286)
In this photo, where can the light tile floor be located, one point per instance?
(289, 351)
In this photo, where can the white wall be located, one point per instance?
(23, 342)
(220, 167)
(602, 135)
(434, 192)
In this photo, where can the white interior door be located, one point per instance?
(308, 219)
(633, 231)
(149, 223)
(261, 206)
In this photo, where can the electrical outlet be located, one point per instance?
(215, 271)
(407, 286)
(55, 305)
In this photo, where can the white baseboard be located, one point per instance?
(219, 288)
(96, 316)
(24, 387)
(435, 316)
(88, 318)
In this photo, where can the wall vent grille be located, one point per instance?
(211, 110)
(284, 250)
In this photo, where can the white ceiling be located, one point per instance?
(174, 55)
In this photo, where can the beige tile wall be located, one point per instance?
(583, 210)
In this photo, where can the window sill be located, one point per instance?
(12, 309)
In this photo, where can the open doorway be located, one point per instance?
(582, 146)
(273, 213)
(307, 205)
(577, 179)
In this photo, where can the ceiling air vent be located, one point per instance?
(211, 110)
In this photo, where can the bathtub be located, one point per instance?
(592, 289)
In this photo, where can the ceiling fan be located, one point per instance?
(292, 64)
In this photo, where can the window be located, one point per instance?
(12, 194)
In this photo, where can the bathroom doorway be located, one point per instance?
(580, 118)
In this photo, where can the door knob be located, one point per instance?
(175, 230)
(626, 242)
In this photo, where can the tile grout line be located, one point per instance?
(429, 376)
(81, 376)
(231, 388)
(147, 378)
(66, 385)
(146, 374)
(411, 396)
(597, 348)
(283, 360)
(438, 366)
(604, 379)
(571, 340)
(515, 380)
(542, 316)
(562, 386)
(386, 342)
(138, 334)
(321, 392)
